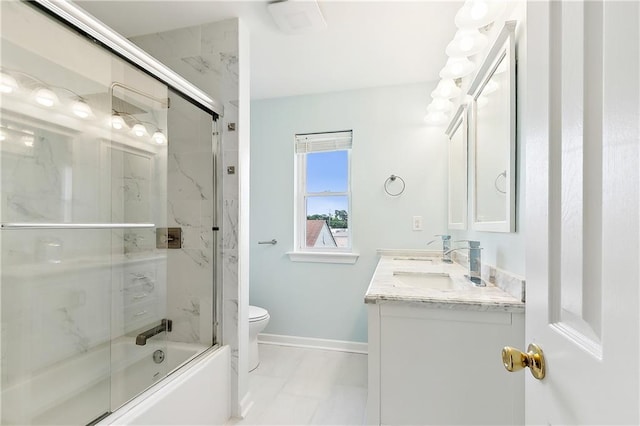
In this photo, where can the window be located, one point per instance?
(323, 192)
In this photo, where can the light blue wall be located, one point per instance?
(389, 137)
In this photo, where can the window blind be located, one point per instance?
(317, 142)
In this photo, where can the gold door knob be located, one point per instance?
(515, 360)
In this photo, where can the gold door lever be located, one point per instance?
(515, 360)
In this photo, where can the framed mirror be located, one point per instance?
(493, 137)
(457, 186)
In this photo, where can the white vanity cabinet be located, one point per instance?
(442, 365)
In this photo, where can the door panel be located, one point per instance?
(582, 193)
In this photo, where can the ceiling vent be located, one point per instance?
(297, 16)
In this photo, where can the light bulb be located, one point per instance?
(139, 130)
(440, 105)
(436, 119)
(117, 122)
(27, 140)
(479, 13)
(457, 68)
(159, 137)
(45, 97)
(446, 89)
(467, 42)
(81, 108)
(478, 9)
(7, 83)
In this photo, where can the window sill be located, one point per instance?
(323, 257)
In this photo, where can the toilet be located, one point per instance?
(258, 319)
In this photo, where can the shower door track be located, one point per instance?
(75, 225)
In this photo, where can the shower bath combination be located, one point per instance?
(95, 169)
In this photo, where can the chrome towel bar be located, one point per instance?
(75, 225)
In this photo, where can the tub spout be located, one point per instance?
(165, 325)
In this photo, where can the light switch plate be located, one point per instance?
(417, 223)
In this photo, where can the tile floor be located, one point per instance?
(307, 387)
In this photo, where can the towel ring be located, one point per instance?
(391, 179)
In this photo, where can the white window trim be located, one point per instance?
(321, 254)
(323, 257)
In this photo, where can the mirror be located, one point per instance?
(493, 137)
(457, 134)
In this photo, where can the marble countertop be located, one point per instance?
(385, 286)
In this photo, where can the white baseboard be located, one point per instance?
(310, 342)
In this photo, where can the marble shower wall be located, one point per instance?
(190, 206)
(208, 56)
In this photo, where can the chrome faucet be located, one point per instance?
(165, 325)
(446, 247)
(475, 261)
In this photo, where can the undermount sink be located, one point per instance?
(423, 259)
(433, 280)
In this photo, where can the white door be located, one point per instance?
(581, 127)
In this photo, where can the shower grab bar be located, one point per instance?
(75, 225)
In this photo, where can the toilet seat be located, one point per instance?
(257, 313)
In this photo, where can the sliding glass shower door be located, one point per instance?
(83, 186)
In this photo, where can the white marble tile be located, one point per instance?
(315, 375)
(230, 224)
(278, 362)
(287, 388)
(184, 213)
(263, 390)
(289, 410)
(171, 44)
(189, 176)
(345, 406)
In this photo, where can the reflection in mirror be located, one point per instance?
(457, 133)
(493, 138)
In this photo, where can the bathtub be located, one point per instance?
(104, 378)
(197, 393)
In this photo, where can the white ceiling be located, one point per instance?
(366, 43)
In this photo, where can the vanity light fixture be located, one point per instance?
(27, 141)
(436, 119)
(159, 137)
(45, 96)
(479, 13)
(117, 122)
(457, 67)
(81, 108)
(467, 42)
(139, 130)
(8, 83)
(446, 89)
(440, 105)
(27, 138)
